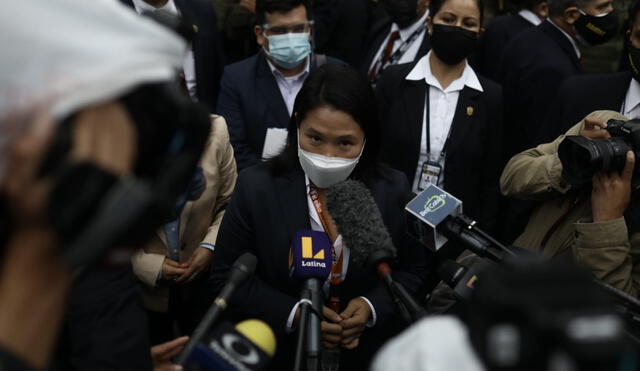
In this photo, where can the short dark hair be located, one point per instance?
(280, 6)
(343, 88)
(634, 9)
(435, 5)
(557, 7)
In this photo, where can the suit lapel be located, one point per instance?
(268, 87)
(414, 96)
(378, 34)
(466, 112)
(292, 197)
(619, 86)
(424, 47)
(559, 38)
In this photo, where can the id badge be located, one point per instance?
(430, 174)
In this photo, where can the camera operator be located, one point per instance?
(585, 223)
(119, 146)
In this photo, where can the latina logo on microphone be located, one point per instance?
(434, 203)
(307, 253)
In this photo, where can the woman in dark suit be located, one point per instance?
(334, 122)
(452, 135)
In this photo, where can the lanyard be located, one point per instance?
(337, 261)
(395, 57)
(426, 126)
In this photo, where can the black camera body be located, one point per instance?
(581, 157)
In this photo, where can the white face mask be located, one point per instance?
(326, 171)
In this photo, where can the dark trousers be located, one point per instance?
(187, 305)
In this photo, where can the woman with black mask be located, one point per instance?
(442, 123)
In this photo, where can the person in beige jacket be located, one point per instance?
(586, 224)
(172, 289)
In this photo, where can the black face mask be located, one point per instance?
(452, 44)
(633, 54)
(402, 12)
(596, 30)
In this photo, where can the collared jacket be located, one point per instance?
(199, 220)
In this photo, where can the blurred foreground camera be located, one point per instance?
(581, 157)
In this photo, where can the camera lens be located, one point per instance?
(581, 158)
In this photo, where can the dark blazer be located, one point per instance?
(578, 96)
(251, 102)
(340, 28)
(265, 212)
(207, 47)
(473, 163)
(105, 325)
(533, 66)
(493, 41)
(376, 36)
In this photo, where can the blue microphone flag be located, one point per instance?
(311, 255)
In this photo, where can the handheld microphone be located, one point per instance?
(241, 270)
(249, 346)
(437, 216)
(360, 223)
(310, 261)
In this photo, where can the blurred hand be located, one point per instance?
(171, 269)
(34, 281)
(595, 129)
(354, 321)
(611, 193)
(250, 5)
(330, 328)
(162, 354)
(200, 260)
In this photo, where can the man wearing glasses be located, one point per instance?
(257, 94)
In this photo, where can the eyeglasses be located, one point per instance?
(281, 30)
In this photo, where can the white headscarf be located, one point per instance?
(63, 55)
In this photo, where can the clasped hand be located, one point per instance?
(182, 272)
(344, 329)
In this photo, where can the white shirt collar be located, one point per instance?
(276, 72)
(632, 99)
(530, 16)
(406, 32)
(422, 71)
(141, 7)
(571, 39)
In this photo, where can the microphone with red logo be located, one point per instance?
(310, 262)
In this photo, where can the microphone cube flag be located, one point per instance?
(311, 255)
(433, 205)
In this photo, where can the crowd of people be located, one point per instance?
(147, 144)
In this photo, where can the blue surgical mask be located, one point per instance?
(288, 50)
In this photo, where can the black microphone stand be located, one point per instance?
(308, 344)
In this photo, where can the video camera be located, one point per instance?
(581, 157)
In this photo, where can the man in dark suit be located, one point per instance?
(257, 94)
(205, 60)
(502, 29)
(340, 28)
(580, 95)
(399, 37)
(535, 63)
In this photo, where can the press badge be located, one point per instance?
(430, 174)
